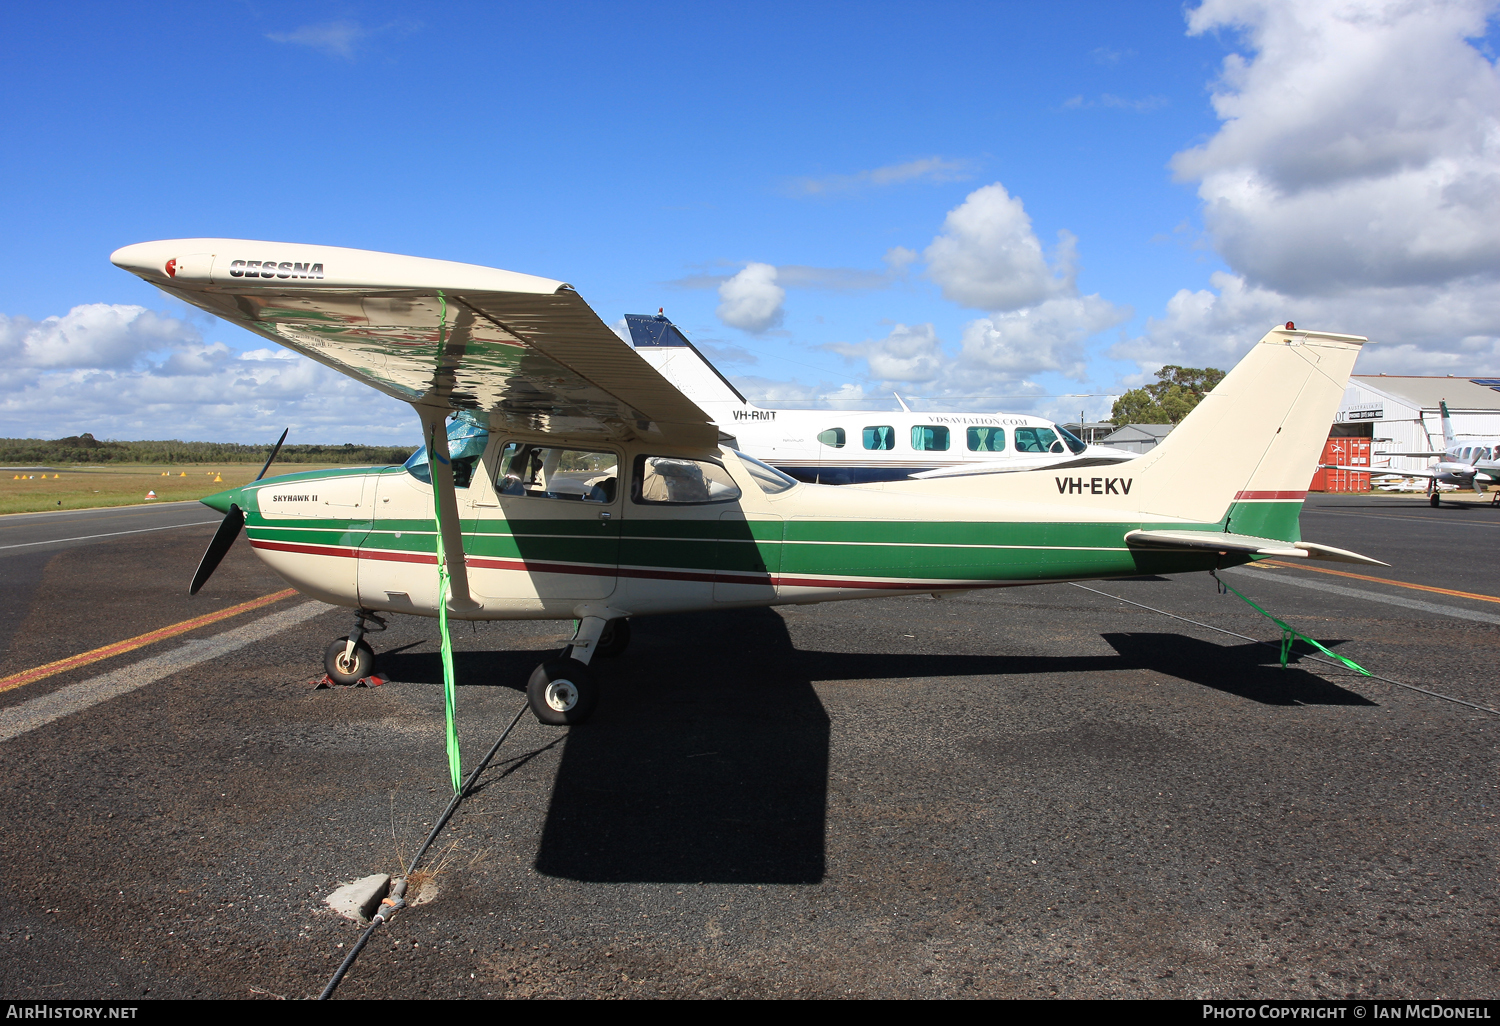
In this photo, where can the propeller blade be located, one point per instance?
(268, 463)
(224, 537)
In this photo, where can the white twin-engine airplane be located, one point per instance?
(1472, 464)
(839, 447)
(580, 484)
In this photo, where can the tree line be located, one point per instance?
(1169, 398)
(85, 448)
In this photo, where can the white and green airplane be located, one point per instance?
(565, 478)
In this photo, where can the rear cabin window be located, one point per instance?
(833, 438)
(880, 437)
(541, 472)
(925, 438)
(674, 481)
(986, 439)
(1037, 439)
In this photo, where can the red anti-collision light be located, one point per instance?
(1290, 326)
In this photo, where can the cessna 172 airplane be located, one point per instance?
(583, 486)
(839, 447)
(1465, 464)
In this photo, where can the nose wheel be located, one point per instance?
(344, 667)
(347, 663)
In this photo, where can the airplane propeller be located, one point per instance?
(229, 530)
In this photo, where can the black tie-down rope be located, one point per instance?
(1277, 645)
(389, 907)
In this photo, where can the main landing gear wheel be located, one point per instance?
(562, 692)
(1432, 500)
(616, 638)
(341, 668)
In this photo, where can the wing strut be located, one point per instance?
(435, 429)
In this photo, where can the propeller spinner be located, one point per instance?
(229, 530)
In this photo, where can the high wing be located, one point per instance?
(1378, 471)
(434, 333)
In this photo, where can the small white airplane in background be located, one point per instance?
(1470, 464)
(580, 484)
(841, 447)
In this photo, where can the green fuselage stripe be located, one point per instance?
(910, 550)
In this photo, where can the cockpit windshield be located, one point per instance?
(770, 480)
(1074, 442)
(468, 434)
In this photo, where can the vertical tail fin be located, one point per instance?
(1449, 440)
(1251, 446)
(659, 342)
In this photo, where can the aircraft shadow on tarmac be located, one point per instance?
(1250, 670)
(707, 759)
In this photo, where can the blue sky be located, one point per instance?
(837, 200)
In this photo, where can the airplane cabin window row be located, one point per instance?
(935, 438)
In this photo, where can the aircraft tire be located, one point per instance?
(1433, 500)
(343, 672)
(615, 639)
(562, 692)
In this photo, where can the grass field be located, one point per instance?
(88, 487)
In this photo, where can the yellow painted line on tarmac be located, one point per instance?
(36, 673)
(1374, 580)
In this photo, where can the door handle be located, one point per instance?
(604, 515)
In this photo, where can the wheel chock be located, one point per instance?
(374, 680)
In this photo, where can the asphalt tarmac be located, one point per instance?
(1026, 793)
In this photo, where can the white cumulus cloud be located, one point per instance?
(988, 257)
(908, 355)
(751, 300)
(128, 372)
(1015, 344)
(1360, 144)
(1353, 185)
(1418, 329)
(92, 335)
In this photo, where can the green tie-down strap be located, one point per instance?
(446, 639)
(1290, 634)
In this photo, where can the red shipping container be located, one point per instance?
(1350, 452)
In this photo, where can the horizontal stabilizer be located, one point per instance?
(1217, 541)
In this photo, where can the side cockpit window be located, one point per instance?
(544, 472)
(1037, 439)
(675, 481)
